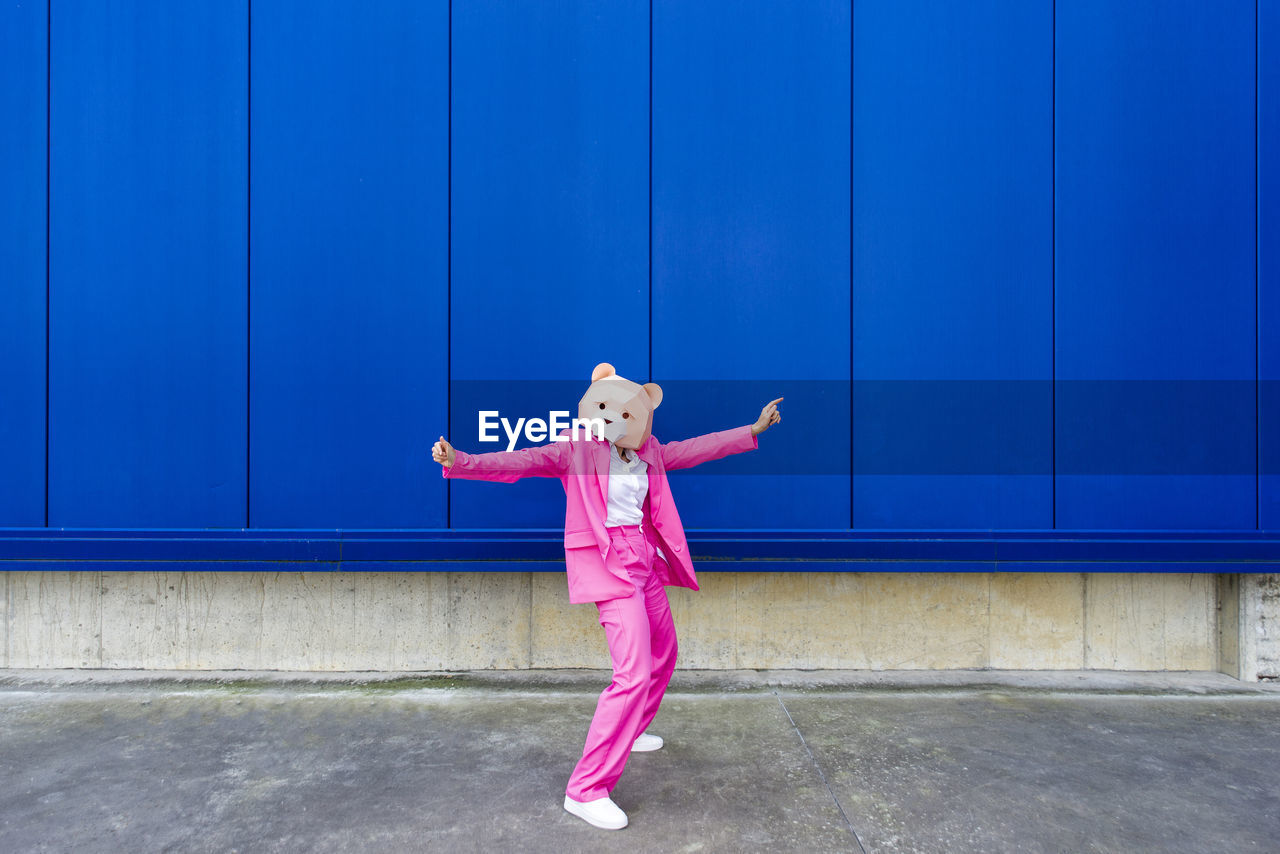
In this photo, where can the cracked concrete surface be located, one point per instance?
(754, 761)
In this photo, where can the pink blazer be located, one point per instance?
(583, 469)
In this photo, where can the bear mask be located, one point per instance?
(625, 407)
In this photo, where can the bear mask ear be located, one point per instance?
(655, 393)
(604, 369)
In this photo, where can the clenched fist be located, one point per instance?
(442, 452)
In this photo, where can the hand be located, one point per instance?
(768, 416)
(442, 452)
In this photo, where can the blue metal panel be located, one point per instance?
(751, 250)
(23, 157)
(349, 269)
(952, 264)
(1268, 108)
(1155, 252)
(549, 221)
(147, 267)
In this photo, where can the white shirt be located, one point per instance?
(628, 486)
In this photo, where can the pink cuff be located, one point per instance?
(459, 458)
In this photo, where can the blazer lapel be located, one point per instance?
(652, 454)
(649, 452)
(600, 462)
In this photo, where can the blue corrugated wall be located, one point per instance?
(255, 255)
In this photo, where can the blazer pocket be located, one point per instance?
(578, 539)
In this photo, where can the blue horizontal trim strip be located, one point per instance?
(1141, 566)
(170, 566)
(172, 549)
(715, 551)
(453, 566)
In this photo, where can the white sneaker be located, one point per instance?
(645, 742)
(602, 812)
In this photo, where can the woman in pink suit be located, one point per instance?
(623, 543)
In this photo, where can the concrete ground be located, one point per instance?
(754, 761)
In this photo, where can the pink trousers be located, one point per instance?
(642, 646)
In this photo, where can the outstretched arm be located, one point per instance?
(686, 453)
(549, 460)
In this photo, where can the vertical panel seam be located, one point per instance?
(808, 602)
(99, 588)
(1215, 624)
(852, 518)
(1053, 268)
(737, 638)
(48, 157)
(1084, 618)
(248, 264)
(1257, 272)
(448, 283)
(991, 584)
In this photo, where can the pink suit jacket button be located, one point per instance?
(677, 547)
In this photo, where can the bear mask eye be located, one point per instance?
(626, 415)
(602, 406)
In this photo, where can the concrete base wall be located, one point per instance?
(508, 620)
(1249, 626)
